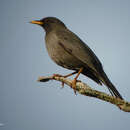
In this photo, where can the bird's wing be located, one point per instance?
(75, 46)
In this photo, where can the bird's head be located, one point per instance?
(49, 23)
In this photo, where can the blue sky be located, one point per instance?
(28, 105)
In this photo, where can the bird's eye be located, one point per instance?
(50, 21)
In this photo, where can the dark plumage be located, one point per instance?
(69, 51)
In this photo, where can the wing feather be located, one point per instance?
(74, 45)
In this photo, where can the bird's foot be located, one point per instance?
(74, 85)
(58, 75)
(65, 76)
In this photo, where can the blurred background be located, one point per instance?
(26, 104)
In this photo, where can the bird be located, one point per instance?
(66, 49)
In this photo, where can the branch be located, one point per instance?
(84, 89)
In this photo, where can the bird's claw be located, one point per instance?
(62, 84)
(74, 85)
(58, 75)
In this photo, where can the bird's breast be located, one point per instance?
(58, 53)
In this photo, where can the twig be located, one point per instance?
(84, 89)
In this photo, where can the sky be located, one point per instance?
(26, 104)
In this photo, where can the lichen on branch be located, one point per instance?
(86, 90)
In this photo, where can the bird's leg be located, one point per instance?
(65, 76)
(75, 80)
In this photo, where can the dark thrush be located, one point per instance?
(67, 50)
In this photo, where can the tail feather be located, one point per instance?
(110, 86)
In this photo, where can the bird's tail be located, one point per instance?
(110, 86)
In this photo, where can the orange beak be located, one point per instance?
(37, 22)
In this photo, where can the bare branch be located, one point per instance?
(84, 89)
